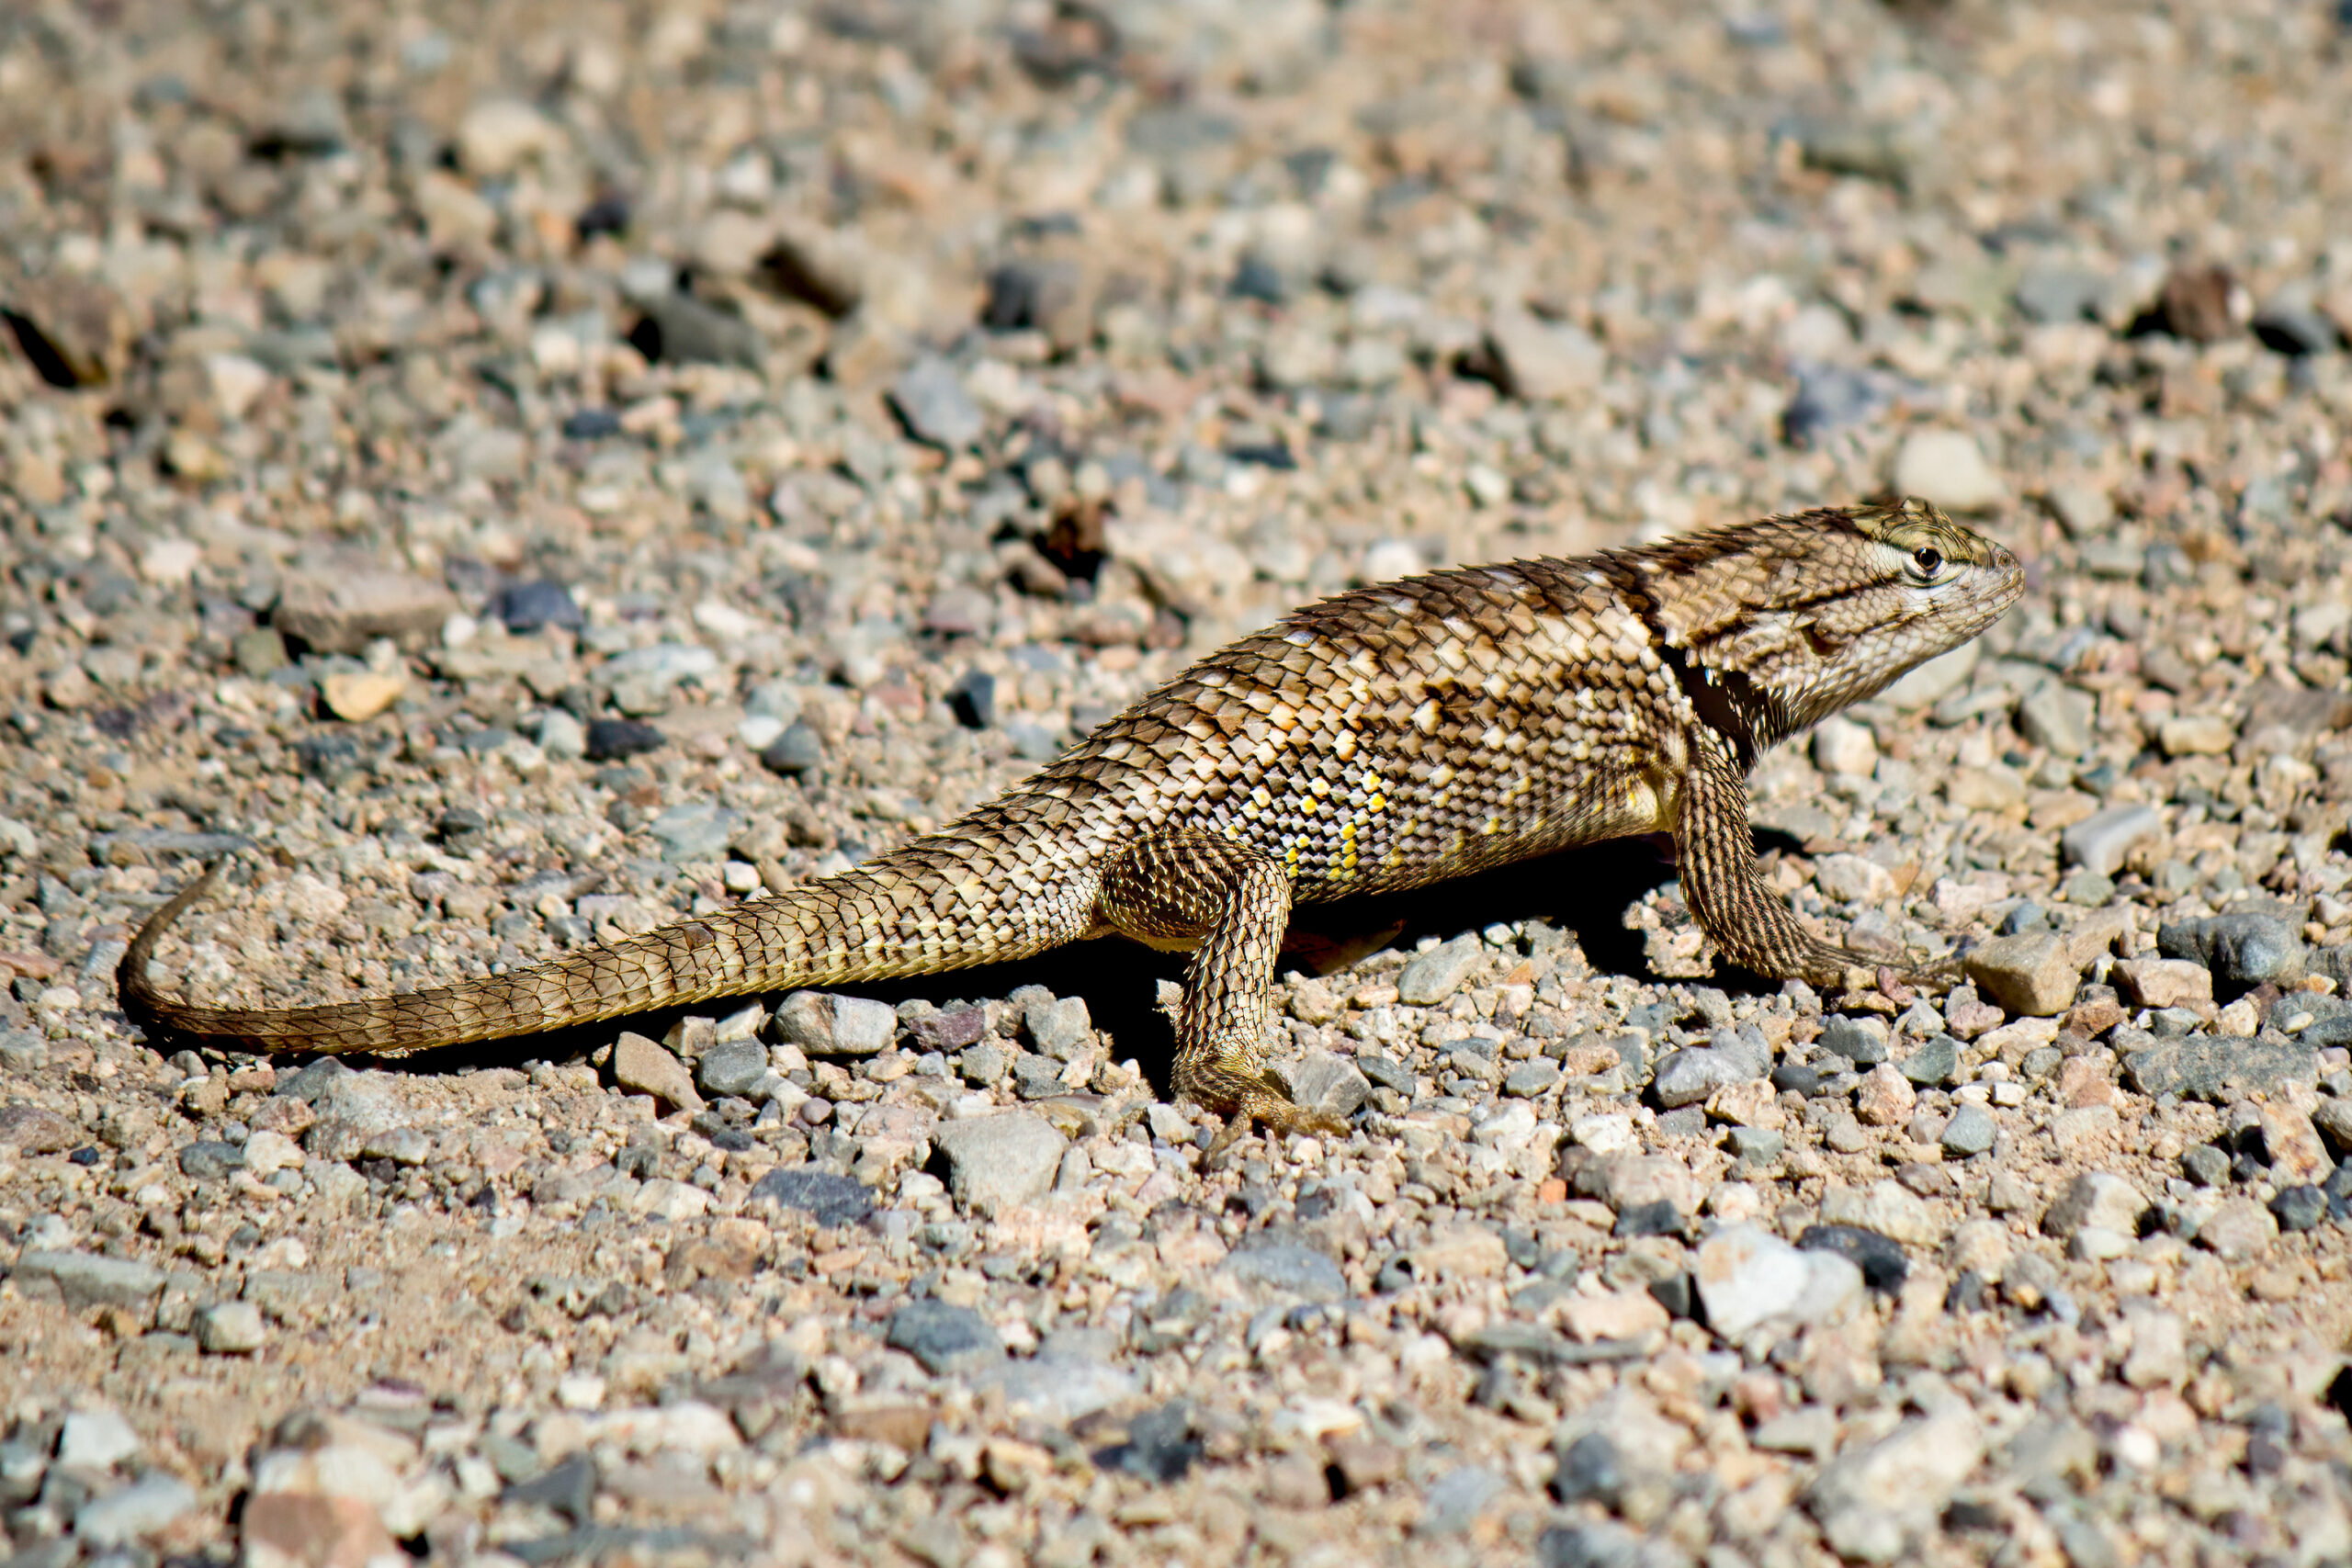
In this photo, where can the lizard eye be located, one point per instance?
(1928, 559)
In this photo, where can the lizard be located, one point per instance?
(1380, 740)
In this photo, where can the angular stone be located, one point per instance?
(231, 1328)
(2102, 842)
(33, 1130)
(2297, 1156)
(2162, 982)
(1870, 1499)
(947, 1339)
(1285, 1267)
(2058, 718)
(1748, 1277)
(2197, 735)
(1329, 1083)
(1934, 1064)
(96, 1439)
(929, 399)
(1537, 362)
(1059, 1027)
(343, 612)
(1971, 1131)
(2241, 1228)
(2030, 973)
(1000, 1161)
(1434, 976)
(300, 1530)
(1884, 1207)
(1886, 1097)
(833, 1200)
(1862, 1040)
(825, 1023)
(145, 1508)
(1689, 1075)
(643, 1065)
(2096, 1198)
(2244, 948)
(732, 1066)
(2217, 1068)
(358, 697)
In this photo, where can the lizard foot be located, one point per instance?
(1248, 1102)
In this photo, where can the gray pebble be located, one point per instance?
(947, 1340)
(231, 1328)
(731, 1066)
(1971, 1131)
(145, 1508)
(1433, 976)
(1000, 1161)
(930, 397)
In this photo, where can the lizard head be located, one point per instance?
(1782, 623)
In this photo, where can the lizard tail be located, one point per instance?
(947, 901)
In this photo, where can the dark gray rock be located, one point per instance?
(795, 751)
(2219, 1068)
(731, 1066)
(2206, 1166)
(614, 739)
(834, 1199)
(527, 606)
(2244, 948)
(207, 1160)
(2300, 1208)
(1159, 1446)
(1934, 1064)
(1037, 1078)
(947, 1339)
(1861, 1041)
(1880, 1257)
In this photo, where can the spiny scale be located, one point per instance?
(1384, 739)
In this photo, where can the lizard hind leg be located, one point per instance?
(1234, 902)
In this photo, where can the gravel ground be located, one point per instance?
(522, 472)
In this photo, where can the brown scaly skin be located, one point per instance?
(1384, 739)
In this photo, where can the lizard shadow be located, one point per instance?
(1585, 890)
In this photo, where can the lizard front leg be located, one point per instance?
(1234, 901)
(1751, 922)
